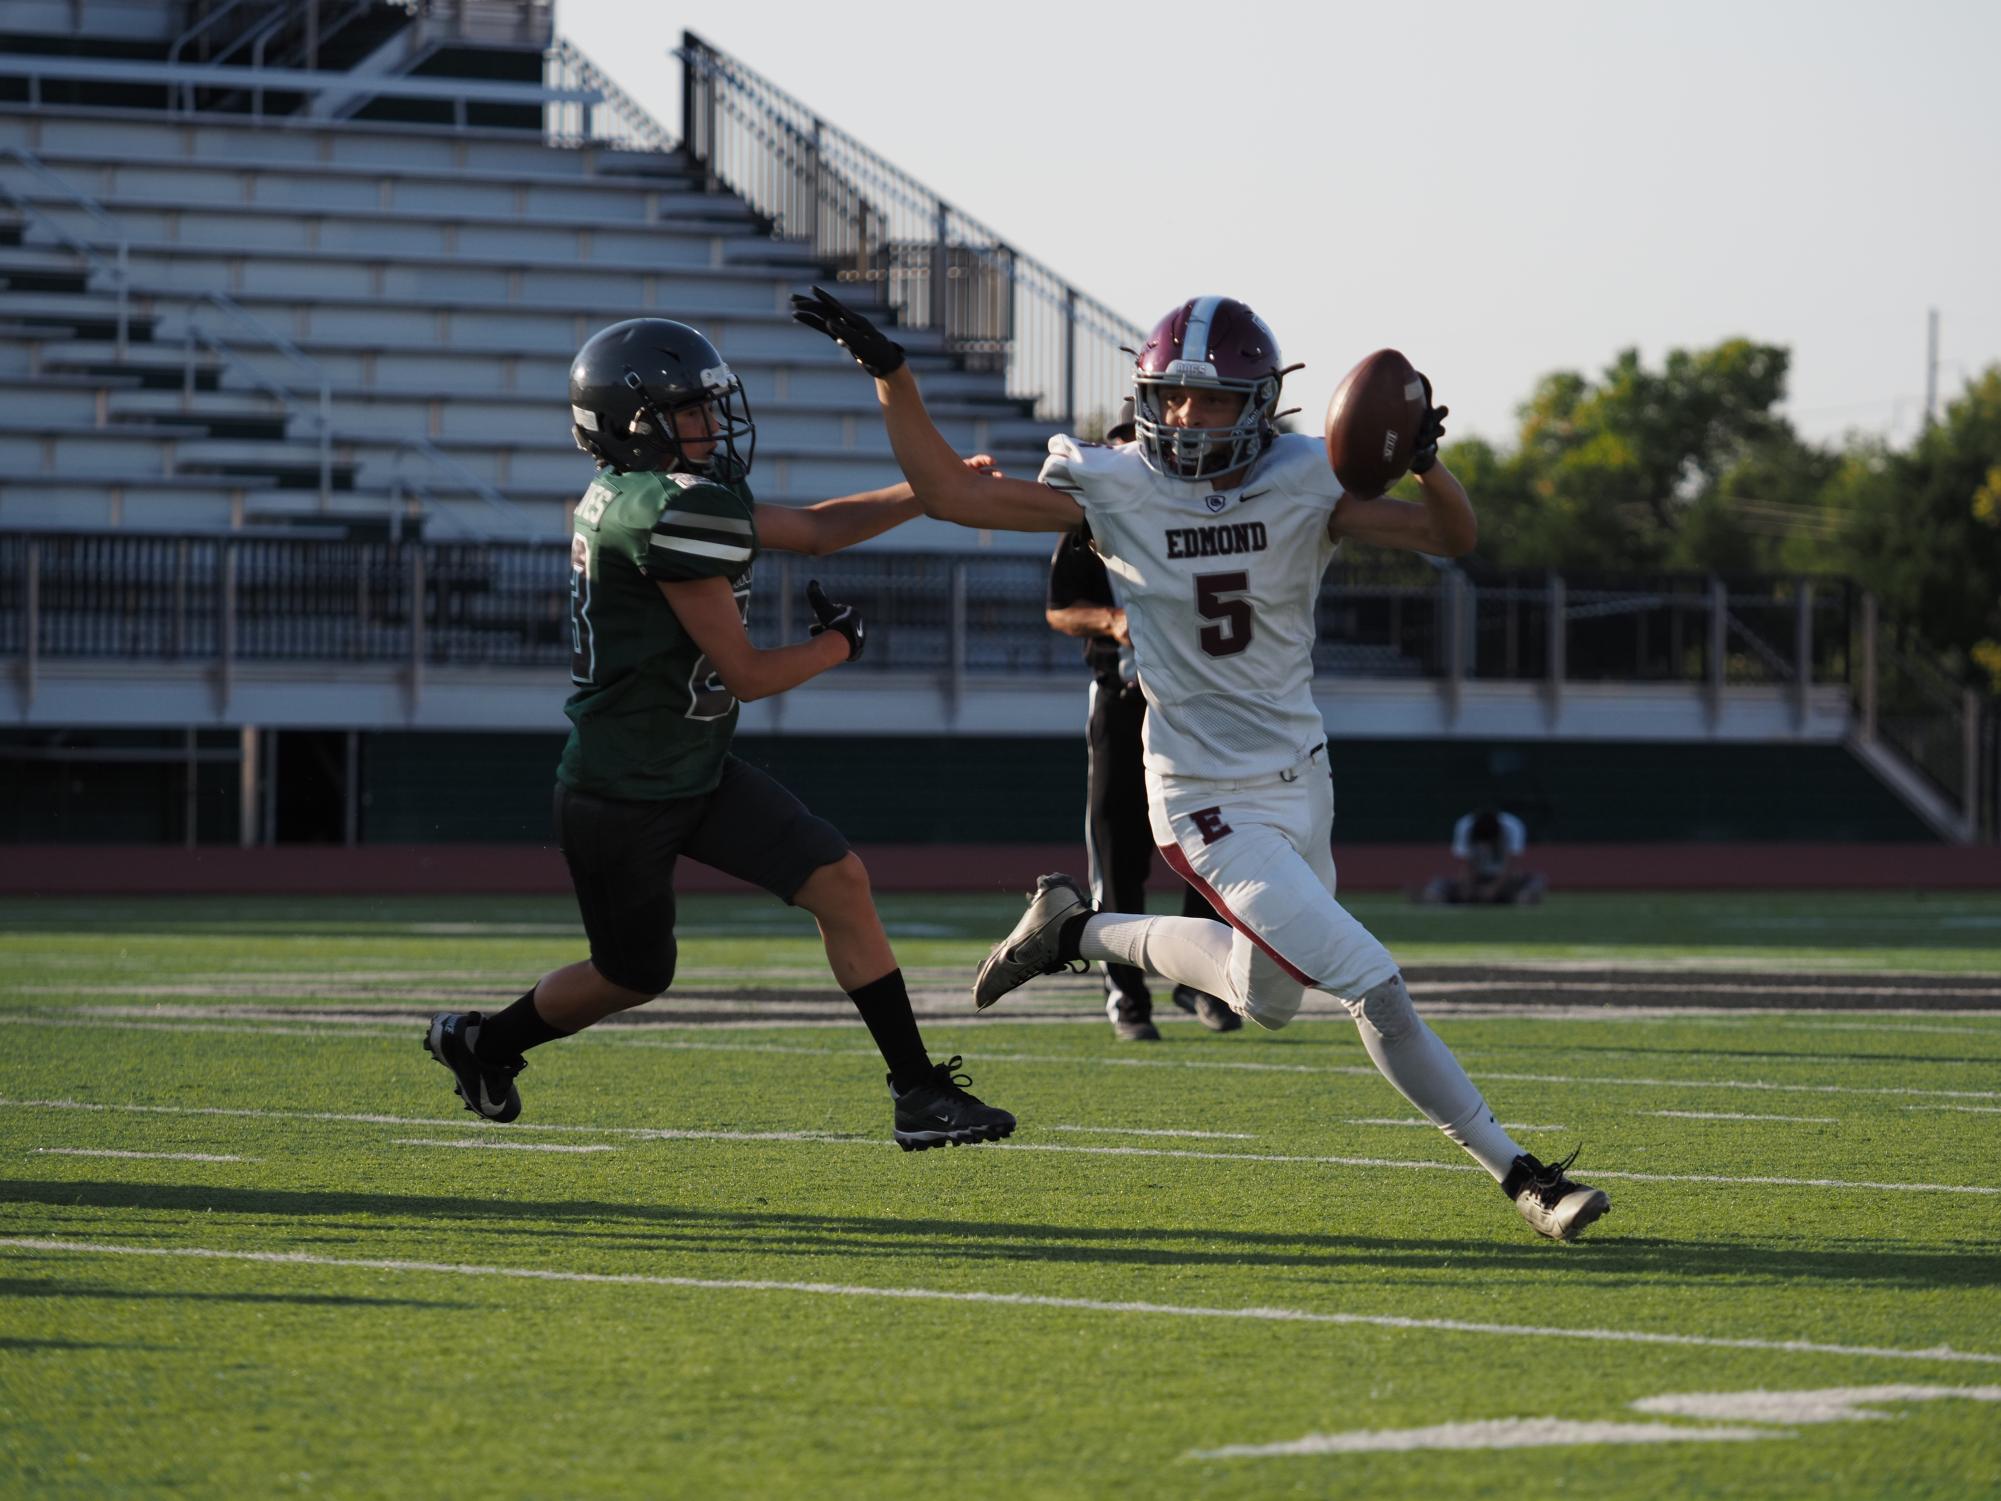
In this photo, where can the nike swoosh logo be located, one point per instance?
(1252, 496)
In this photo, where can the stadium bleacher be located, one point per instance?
(433, 280)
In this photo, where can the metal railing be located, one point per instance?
(936, 266)
(180, 80)
(1933, 722)
(218, 600)
(106, 595)
(617, 120)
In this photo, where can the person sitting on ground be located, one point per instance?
(1489, 843)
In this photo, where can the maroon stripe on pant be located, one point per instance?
(1171, 853)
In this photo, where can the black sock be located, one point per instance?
(514, 1031)
(885, 1006)
(1070, 937)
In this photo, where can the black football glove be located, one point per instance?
(828, 616)
(873, 350)
(1430, 428)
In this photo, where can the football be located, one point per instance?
(1372, 423)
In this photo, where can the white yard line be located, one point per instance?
(1348, 1070)
(1474, 1167)
(1968, 1109)
(644, 1133)
(1494, 1433)
(1731, 1115)
(314, 1030)
(1391, 1120)
(501, 1146)
(1539, 1332)
(142, 1156)
(1151, 1131)
(1185, 1153)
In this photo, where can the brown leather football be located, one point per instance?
(1372, 423)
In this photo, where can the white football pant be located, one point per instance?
(1261, 851)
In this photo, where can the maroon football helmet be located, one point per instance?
(1219, 343)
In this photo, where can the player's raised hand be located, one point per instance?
(828, 616)
(1429, 431)
(983, 463)
(824, 313)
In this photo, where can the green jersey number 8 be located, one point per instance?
(707, 697)
(583, 644)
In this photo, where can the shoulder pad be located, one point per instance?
(1298, 462)
(1094, 473)
(689, 492)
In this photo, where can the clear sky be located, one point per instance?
(1498, 190)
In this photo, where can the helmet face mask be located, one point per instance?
(1208, 343)
(631, 381)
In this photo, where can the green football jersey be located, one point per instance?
(650, 719)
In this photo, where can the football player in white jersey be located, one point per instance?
(1219, 528)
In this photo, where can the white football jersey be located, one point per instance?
(1219, 589)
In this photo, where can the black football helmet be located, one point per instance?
(629, 379)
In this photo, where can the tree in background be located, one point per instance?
(1923, 529)
(1690, 466)
(1685, 466)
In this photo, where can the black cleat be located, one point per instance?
(939, 1112)
(1212, 1011)
(1132, 1021)
(486, 1087)
(1030, 950)
(1547, 1198)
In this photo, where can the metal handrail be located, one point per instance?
(632, 125)
(174, 52)
(937, 266)
(461, 91)
(120, 274)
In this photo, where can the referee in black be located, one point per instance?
(1117, 833)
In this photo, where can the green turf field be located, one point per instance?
(251, 1245)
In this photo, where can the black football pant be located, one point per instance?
(1117, 832)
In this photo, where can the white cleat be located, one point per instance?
(1550, 1201)
(1030, 950)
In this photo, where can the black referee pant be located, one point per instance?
(1117, 833)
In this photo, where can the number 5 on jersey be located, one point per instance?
(1218, 597)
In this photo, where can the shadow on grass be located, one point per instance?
(10, 1344)
(27, 1287)
(1608, 1260)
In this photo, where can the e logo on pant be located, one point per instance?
(1209, 824)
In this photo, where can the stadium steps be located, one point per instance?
(440, 282)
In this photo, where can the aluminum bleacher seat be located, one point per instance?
(434, 281)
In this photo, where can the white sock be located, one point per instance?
(1422, 1068)
(1187, 950)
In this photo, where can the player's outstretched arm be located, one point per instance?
(945, 488)
(830, 525)
(1090, 620)
(1442, 524)
(708, 612)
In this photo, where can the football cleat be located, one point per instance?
(939, 1112)
(486, 1087)
(1212, 1011)
(1030, 950)
(1133, 1022)
(1550, 1201)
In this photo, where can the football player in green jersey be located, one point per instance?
(661, 553)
